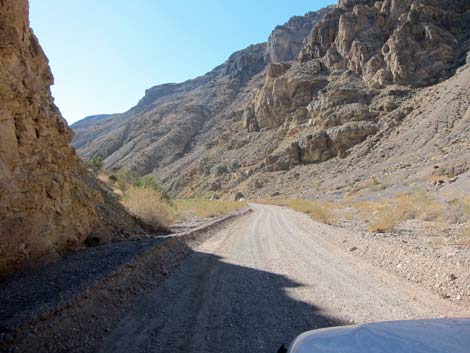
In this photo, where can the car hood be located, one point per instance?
(419, 336)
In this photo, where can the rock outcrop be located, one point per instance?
(355, 51)
(48, 200)
(286, 41)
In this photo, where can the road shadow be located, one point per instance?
(37, 290)
(171, 300)
(211, 306)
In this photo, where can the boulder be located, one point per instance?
(326, 144)
(239, 197)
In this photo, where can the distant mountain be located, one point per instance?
(90, 119)
(333, 98)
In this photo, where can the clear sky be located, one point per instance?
(105, 53)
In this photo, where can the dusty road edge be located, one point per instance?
(93, 313)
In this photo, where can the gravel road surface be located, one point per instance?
(257, 284)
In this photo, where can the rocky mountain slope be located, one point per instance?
(371, 94)
(166, 124)
(49, 202)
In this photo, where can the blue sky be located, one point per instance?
(105, 53)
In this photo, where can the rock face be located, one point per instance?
(48, 200)
(286, 41)
(325, 86)
(411, 43)
(353, 52)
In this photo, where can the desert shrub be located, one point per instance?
(103, 176)
(206, 208)
(210, 195)
(113, 178)
(386, 220)
(97, 163)
(419, 205)
(458, 210)
(151, 182)
(149, 205)
(124, 179)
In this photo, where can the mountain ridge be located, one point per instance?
(301, 106)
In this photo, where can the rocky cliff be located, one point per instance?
(48, 200)
(170, 119)
(293, 112)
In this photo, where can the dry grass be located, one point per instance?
(390, 213)
(386, 215)
(206, 208)
(386, 220)
(321, 211)
(149, 205)
(147, 200)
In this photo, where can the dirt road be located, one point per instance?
(260, 282)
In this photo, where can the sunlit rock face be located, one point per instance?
(286, 41)
(355, 51)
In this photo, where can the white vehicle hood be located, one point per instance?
(421, 336)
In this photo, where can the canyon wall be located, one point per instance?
(49, 201)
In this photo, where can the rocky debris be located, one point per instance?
(412, 252)
(284, 94)
(219, 170)
(245, 64)
(383, 41)
(249, 120)
(49, 202)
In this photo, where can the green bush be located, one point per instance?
(97, 163)
(124, 179)
(151, 182)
